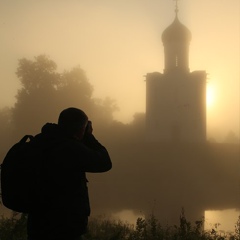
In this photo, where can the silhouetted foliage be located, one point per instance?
(13, 228)
(45, 92)
(5, 130)
(232, 138)
(149, 228)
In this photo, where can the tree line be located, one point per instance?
(45, 92)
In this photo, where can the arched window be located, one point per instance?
(176, 61)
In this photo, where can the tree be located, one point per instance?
(37, 74)
(232, 138)
(45, 92)
(5, 129)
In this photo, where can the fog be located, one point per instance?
(117, 43)
(164, 178)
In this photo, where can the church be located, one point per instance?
(176, 98)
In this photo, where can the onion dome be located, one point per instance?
(176, 32)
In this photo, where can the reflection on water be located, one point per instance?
(127, 216)
(222, 220)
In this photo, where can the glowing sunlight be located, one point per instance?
(210, 96)
(224, 220)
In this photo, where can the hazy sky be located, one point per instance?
(118, 41)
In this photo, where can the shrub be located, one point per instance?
(149, 228)
(13, 228)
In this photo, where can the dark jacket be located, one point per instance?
(61, 207)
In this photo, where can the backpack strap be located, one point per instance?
(26, 137)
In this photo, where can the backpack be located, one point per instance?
(17, 175)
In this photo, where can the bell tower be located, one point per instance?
(176, 40)
(176, 98)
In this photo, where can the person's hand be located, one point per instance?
(89, 128)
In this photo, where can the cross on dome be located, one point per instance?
(176, 7)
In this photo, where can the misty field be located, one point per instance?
(171, 174)
(149, 228)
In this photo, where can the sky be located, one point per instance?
(118, 42)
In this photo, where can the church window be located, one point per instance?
(176, 61)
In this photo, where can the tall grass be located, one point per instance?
(149, 228)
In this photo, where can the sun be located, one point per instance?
(210, 97)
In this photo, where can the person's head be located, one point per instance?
(73, 121)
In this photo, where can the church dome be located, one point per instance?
(176, 32)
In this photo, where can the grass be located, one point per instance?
(148, 228)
